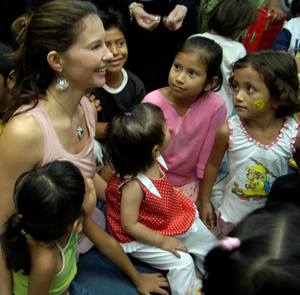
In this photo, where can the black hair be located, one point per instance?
(113, 19)
(231, 17)
(6, 63)
(131, 136)
(55, 25)
(209, 53)
(48, 201)
(268, 259)
(295, 7)
(278, 70)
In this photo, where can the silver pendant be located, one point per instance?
(80, 132)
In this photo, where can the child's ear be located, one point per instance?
(55, 61)
(210, 84)
(77, 225)
(275, 104)
(11, 79)
(156, 151)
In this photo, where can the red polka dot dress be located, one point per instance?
(163, 209)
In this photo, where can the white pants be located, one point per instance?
(181, 271)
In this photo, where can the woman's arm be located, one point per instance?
(206, 209)
(132, 197)
(21, 150)
(145, 283)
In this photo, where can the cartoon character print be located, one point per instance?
(254, 181)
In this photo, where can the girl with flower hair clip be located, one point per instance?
(259, 256)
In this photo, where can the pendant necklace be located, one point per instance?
(79, 129)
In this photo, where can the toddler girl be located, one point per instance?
(39, 242)
(193, 112)
(152, 221)
(259, 140)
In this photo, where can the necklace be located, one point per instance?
(79, 129)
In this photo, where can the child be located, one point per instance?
(152, 221)
(122, 88)
(226, 22)
(39, 242)
(193, 112)
(259, 140)
(260, 257)
(7, 78)
(288, 39)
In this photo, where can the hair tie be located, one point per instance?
(127, 114)
(20, 215)
(230, 243)
(23, 232)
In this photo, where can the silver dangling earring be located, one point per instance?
(62, 83)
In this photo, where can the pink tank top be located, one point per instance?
(53, 150)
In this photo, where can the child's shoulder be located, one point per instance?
(156, 97)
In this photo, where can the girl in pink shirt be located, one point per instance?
(192, 110)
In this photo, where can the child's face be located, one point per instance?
(90, 198)
(187, 77)
(251, 97)
(116, 43)
(167, 139)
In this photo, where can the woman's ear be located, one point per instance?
(55, 61)
(11, 79)
(156, 151)
(77, 225)
(211, 83)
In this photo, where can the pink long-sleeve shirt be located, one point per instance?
(192, 135)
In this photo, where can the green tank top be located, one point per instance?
(62, 280)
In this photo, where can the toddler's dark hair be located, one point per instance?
(48, 201)
(6, 63)
(295, 7)
(113, 19)
(209, 53)
(131, 136)
(268, 259)
(231, 17)
(278, 70)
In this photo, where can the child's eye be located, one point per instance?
(193, 73)
(234, 87)
(121, 43)
(177, 67)
(250, 89)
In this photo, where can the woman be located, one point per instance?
(62, 53)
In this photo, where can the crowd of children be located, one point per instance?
(160, 154)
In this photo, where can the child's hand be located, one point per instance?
(152, 283)
(208, 215)
(172, 244)
(91, 98)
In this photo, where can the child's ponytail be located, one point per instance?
(14, 244)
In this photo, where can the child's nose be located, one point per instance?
(114, 50)
(180, 77)
(239, 95)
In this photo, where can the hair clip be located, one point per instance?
(23, 232)
(127, 114)
(230, 243)
(20, 215)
